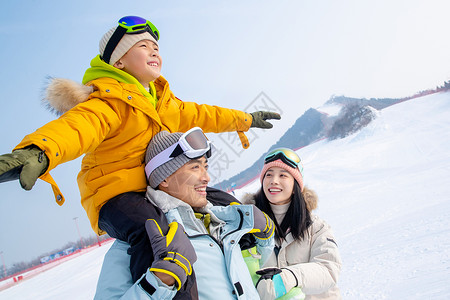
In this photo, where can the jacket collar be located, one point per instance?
(164, 201)
(101, 69)
(310, 196)
(168, 204)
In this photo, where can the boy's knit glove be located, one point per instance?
(24, 164)
(173, 252)
(263, 226)
(260, 117)
(275, 282)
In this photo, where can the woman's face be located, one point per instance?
(278, 186)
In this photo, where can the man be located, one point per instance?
(198, 255)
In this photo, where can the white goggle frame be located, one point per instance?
(193, 142)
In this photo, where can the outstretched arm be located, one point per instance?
(216, 119)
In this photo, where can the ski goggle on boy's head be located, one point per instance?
(128, 25)
(192, 143)
(287, 156)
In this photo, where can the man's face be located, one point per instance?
(189, 183)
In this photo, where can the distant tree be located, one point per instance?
(352, 118)
(3, 271)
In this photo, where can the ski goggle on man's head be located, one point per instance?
(192, 143)
(128, 25)
(287, 156)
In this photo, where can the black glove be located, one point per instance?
(173, 252)
(263, 226)
(260, 117)
(24, 164)
(275, 282)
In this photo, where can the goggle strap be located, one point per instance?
(146, 28)
(177, 151)
(113, 42)
(152, 33)
(286, 160)
(161, 158)
(283, 158)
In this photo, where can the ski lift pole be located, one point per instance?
(4, 266)
(78, 229)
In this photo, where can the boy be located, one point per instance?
(112, 118)
(203, 238)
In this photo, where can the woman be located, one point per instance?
(305, 254)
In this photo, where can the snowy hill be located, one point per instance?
(385, 192)
(340, 116)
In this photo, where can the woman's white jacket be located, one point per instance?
(315, 260)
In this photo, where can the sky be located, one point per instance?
(286, 56)
(385, 198)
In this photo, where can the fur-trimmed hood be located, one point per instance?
(63, 94)
(310, 196)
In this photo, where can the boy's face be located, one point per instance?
(142, 61)
(189, 183)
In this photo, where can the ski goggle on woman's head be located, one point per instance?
(287, 156)
(128, 25)
(192, 143)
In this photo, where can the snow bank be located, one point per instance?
(384, 191)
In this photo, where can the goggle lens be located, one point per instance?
(197, 140)
(135, 24)
(286, 155)
(132, 21)
(192, 143)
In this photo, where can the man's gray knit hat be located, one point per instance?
(160, 142)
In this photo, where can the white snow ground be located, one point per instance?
(386, 193)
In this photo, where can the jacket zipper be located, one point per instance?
(213, 238)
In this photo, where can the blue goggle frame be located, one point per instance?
(128, 25)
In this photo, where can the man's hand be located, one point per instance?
(260, 117)
(24, 164)
(263, 226)
(173, 252)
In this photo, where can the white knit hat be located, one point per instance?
(127, 41)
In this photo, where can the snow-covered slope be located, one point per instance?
(384, 190)
(73, 279)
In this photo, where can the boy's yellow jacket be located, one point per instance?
(112, 123)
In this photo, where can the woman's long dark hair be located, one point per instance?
(297, 218)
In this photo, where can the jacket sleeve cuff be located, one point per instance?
(45, 144)
(245, 122)
(154, 288)
(265, 248)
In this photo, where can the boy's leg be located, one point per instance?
(123, 217)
